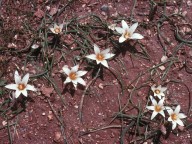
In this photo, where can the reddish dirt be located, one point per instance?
(45, 119)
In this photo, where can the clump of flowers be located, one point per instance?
(56, 29)
(20, 85)
(174, 116)
(101, 56)
(74, 76)
(128, 32)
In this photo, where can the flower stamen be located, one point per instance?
(72, 75)
(158, 108)
(157, 91)
(174, 116)
(127, 34)
(57, 30)
(100, 57)
(21, 86)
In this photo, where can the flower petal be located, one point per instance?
(163, 89)
(170, 119)
(150, 107)
(104, 62)
(81, 81)
(81, 73)
(174, 124)
(124, 25)
(153, 114)
(161, 102)
(133, 28)
(162, 113)
(119, 30)
(17, 93)
(179, 122)
(109, 55)
(91, 56)
(122, 39)
(75, 68)
(30, 87)
(61, 26)
(136, 36)
(68, 80)
(104, 52)
(154, 102)
(25, 79)
(177, 109)
(169, 110)
(12, 86)
(66, 69)
(52, 30)
(17, 77)
(24, 92)
(153, 88)
(96, 49)
(181, 115)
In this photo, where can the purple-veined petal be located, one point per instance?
(170, 119)
(154, 102)
(136, 36)
(61, 26)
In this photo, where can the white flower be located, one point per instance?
(35, 46)
(157, 107)
(20, 86)
(74, 75)
(158, 91)
(112, 27)
(128, 33)
(57, 28)
(175, 116)
(100, 56)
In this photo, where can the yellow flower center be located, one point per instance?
(157, 91)
(127, 34)
(72, 75)
(21, 86)
(173, 116)
(57, 30)
(157, 108)
(100, 57)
